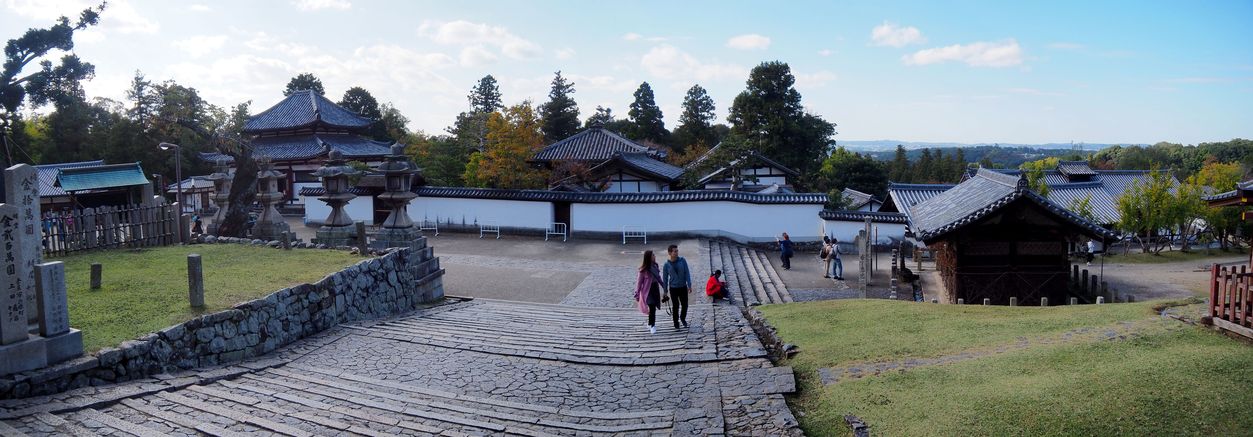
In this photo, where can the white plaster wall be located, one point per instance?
(506, 213)
(359, 208)
(745, 220)
(846, 231)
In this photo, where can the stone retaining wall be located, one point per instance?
(394, 283)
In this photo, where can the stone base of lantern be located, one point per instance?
(270, 231)
(62, 347)
(24, 355)
(409, 237)
(334, 236)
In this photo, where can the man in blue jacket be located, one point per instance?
(678, 280)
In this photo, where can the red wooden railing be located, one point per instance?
(1231, 294)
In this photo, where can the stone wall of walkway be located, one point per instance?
(395, 283)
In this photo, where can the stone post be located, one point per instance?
(286, 241)
(1074, 301)
(363, 240)
(961, 301)
(21, 189)
(987, 301)
(1100, 300)
(1044, 301)
(13, 317)
(96, 273)
(1013, 301)
(184, 228)
(61, 341)
(1095, 286)
(1083, 284)
(195, 281)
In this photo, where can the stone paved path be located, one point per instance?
(751, 278)
(477, 367)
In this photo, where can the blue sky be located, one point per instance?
(1010, 72)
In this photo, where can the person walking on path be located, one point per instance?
(716, 289)
(648, 289)
(824, 256)
(678, 280)
(836, 264)
(785, 246)
(196, 225)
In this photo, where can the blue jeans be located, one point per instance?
(837, 268)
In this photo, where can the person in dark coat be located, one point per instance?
(785, 246)
(648, 289)
(677, 279)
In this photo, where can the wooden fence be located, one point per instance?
(1231, 295)
(67, 232)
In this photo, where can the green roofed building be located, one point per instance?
(114, 184)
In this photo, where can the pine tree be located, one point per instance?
(899, 170)
(768, 114)
(360, 101)
(694, 124)
(302, 82)
(924, 169)
(646, 117)
(602, 117)
(560, 114)
(485, 96)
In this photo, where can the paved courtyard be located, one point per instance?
(575, 359)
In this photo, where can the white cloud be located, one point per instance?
(565, 53)
(463, 32)
(632, 36)
(314, 5)
(825, 52)
(1005, 53)
(892, 35)
(476, 55)
(199, 8)
(669, 62)
(814, 80)
(200, 45)
(119, 17)
(750, 41)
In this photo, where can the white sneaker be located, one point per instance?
(652, 329)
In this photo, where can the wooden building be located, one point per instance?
(613, 164)
(1231, 288)
(994, 238)
(758, 174)
(298, 132)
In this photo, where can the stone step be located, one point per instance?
(234, 415)
(120, 425)
(64, 426)
(532, 351)
(518, 341)
(182, 420)
(476, 400)
(363, 417)
(6, 430)
(513, 416)
(633, 332)
(575, 322)
(741, 276)
(271, 407)
(742, 296)
(774, 278)
(759, 274)
(750, 272)
(531, 337)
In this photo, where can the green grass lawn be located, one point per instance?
(1173, 256)
(1168, 379)
(146, 290)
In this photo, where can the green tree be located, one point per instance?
(1083, 208)
(513, 136)
(50, 83)
(730, 155)
(695, 128)
(1146, 208)
(769, 115)
(646, 118)
(360, 101)
(603, 116)
(924, 169)
(560, 114)
(847, 169)
(1219, 177)
(485, 96)
(302, 82)
(898, 170)
(1035, 171)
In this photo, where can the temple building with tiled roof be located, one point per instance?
(758, 174)
(298, 132)
(614, 163)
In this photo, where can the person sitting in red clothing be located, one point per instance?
(715, 288)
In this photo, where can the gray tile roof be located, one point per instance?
(48, 176)
(646, 163)
(1243, 186)
(1075, 168)
(861, 216)
(304, 147)
(304, 109)
(1104, 207)
(592, 144)
(599, 197)
(762, 159)
(979, 197)
(1113, 182)
(905, 196)
(857, 199)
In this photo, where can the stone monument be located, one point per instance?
(19, 350)
(338, 229)
(398, 230)
(21, 189)
(270, 225)
(221, 179)
(62, 341)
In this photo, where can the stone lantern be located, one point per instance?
(221, 179)
(398, 229)
(338, 228)
(270, 225)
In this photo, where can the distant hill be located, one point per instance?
(1004, 155)
(890, 145)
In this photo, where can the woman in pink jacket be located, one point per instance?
(648, 289)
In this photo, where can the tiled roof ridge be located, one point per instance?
(54, 165)
(99, 167)
(1005, 200)
(1001, 178)
(938, 187)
